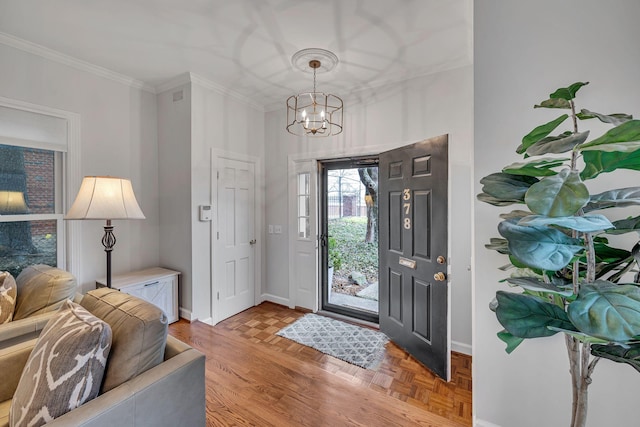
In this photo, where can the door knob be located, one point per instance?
(252, 242)
(439, 276)
(440, 260)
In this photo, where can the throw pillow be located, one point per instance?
(41, 289)
(65, 368)
(8, 293)
(139, 333)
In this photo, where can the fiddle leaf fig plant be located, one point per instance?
(567, 278)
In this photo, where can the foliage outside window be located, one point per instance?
(30, 207)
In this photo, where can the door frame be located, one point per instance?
(217, 156)
(324, 166)
(316, 156)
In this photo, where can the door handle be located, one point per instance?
(439, 276)
(252, 242)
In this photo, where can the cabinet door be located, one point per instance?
(158, 292)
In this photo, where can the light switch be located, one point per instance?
(270, 229)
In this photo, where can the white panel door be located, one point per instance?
(235, 242)
(303, 236)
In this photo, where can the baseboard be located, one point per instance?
(185, 314)
(275, 299)
(461, 347)
(483, 423)
(208, 321)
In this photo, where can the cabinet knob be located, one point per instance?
(252, 242)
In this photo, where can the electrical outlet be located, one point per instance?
(278, 229)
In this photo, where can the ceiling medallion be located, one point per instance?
(314, 113)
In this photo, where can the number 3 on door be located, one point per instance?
(406, 196)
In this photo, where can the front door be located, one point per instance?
(234, 252)
(413, 248)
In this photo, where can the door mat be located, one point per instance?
(354, 344)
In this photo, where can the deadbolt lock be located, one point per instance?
(440, 260)
(439, 276)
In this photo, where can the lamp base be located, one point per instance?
(108, 241)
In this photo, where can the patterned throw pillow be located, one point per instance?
(64, 369)
(8, 293)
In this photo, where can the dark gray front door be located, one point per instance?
(413, 250)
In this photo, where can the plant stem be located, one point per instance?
(581, 369)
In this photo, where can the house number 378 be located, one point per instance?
(406, 196)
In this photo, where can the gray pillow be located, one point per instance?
(41, 289)
(65, 368)
(8, 293)
(139, 333)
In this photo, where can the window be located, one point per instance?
(32, 150)
(304, 224)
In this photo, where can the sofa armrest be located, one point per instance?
(23, 330)
(172, 393)
(12, 362)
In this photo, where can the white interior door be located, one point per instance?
(303, 235)
(235, 240)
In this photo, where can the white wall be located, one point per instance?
(118, 138)
(174, 178)
(220, 123)
(205, 120)
(400, 114)
(523, 52)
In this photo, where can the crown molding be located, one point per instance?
(78, 64)
(189, 77)
(174, 82)
(211, 85)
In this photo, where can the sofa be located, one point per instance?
(38, 292)
(165, 392)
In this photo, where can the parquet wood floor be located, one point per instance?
(256, 378)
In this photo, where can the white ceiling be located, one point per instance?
(246, 45)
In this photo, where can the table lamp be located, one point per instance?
(108, 198)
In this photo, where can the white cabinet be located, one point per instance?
(157, 285)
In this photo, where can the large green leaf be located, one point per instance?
(597, 162)
(511, 341)
(568, 93)
(515, 214)
(614, 119)
(554, 103)
(607, 311)
(562, 143)
(498, 245)
(624, 138)
(502, 188)
(579, 336)
(627, 225)
(629, 354)
(540, 132)
(584, 224)
(539, 167)
(608, 254)
(526, 316)
(536, 285)
(542, 248)
(619, 198)
(559, 195)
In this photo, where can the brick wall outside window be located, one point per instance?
(39, 165)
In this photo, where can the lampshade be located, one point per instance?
(105, 197)
(12, 203)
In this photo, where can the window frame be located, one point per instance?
(66, 171)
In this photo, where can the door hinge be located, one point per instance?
(218, 174)
(217, 235)
(218, 296)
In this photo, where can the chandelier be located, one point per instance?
(314, 113)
